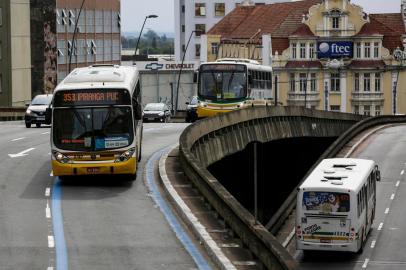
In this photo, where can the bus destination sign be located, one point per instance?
(91, 97)
(222, 67)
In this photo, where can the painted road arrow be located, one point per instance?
(21, 154)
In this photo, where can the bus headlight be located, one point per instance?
(61, 158)
(126, 155)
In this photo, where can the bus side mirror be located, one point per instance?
(195, 77)
(48, 116)
(137, 112)
(378, 175)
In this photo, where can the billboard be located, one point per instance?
(335, 49)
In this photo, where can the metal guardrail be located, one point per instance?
(284, 211)
(12, 113)
(254, 235)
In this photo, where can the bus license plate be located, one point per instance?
(93, 170)
(325, 241)
(41, 118)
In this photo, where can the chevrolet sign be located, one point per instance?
(337, 49)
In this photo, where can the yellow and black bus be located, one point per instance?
(97, 122)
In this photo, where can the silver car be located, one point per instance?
(156, 112)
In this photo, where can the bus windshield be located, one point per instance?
(92, 129)
(223, 84)
(326, 201)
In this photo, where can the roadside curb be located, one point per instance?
(190, 219)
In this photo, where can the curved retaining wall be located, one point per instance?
(280, 216)
(212, 139)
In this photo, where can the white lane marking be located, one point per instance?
(373, 243)
(397, 183)
(365, 263)
(380, 226)
(50, 268)
(387, 210)
(51, 241)
(45, 133)
(18, 139)
(392, 196)
(289, 238)
(21, 154)
(402, 172)
(47, 192)
(48, 211)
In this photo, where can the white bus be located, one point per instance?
(231, 84)
(336, 205)
(97, 122)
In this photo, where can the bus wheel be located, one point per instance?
(131, 177)
(361, 249)
(27, 125)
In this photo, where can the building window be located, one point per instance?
(313, 82)
(293, 50)
(377, 110)
(335, 21)
(356, 82)
(367, 50)
(312, 50)
(183, 48)
(303, 82)
(1, 50)
(335, 82)
(183, 28)
(219, 9)
(376, 50)
(292, 83)
(183, 8)
(200, 29)
(303, 50)
(214, 48)
(335, 108)
(1, 83)
(377, 82)
(200, 9)
(356, 109)
(367, 82)
(197, 51)
(367, 110)
(1, 16)
(358, 50)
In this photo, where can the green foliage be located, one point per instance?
(150, 43)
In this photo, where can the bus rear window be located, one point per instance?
(326, 201)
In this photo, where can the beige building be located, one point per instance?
(15, 53)
(326, 54)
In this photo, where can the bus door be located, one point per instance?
(326, 217)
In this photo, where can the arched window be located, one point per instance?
(335, 18)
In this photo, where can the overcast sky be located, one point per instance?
(133, 12)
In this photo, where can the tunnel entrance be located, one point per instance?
(281, 165)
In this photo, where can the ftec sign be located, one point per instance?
(337, 49)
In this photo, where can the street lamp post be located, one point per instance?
(73, 47)
(142, 28)
(181, 68)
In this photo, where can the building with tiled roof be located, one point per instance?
(326, 54)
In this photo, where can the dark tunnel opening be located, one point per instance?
(281, 165)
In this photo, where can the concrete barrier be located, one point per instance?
(210, 140)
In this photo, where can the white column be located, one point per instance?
(343, 90)
(393, 97)
(203, 48)
(267, 50)
(326, 91)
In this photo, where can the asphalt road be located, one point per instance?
(108, 224)
(386, 245)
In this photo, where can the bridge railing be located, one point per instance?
(192, 143)
(290, 203)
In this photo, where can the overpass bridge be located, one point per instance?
(216, 157)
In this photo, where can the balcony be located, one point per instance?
(367, 96)
(301, 96)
